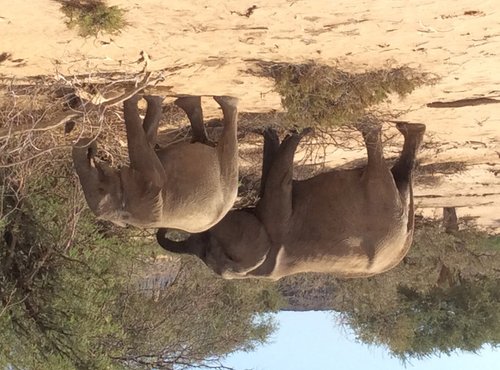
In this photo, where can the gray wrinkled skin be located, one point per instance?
(351, 223)
(186, 186)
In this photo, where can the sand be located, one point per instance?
(207, 48)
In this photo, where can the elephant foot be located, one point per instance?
(154, 100)
(307, 131)
(302, 133)
(271, 135)
(188, 104)
(133, 100)
(371, 132)
(414, 135)
(227, 103)
(410, 129)
(412, 132)
(296, 136)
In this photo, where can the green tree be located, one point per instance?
(71, 298)
(444, 296)
(464, 316)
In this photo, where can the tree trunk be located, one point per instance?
(450, 220)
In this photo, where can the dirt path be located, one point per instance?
(207, 49)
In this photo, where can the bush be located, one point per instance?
(320, 95)
(93, 16)
(71, 297)
(444, 296)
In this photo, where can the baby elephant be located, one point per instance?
(351, 223)
(186, 186)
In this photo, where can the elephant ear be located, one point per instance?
(230, 265)
(239, 244)
(141, 196)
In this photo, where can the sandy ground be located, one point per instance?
(207, 48)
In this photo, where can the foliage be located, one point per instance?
(93, 16)
(199, 317)
(441, 320)
(57, 281)
(69, 288)
(311, 291)
(72, 287)
(443, 297)
(325, 96)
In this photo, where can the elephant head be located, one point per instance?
(236, 245)
(101, 184)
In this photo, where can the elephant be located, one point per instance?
(350, 223)
(188, 186)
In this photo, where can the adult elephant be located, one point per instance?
(351, 223)
(188, 185)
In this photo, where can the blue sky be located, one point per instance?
(313, 341)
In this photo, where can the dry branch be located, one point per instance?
(95, 104)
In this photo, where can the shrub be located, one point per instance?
(93, 16)
(320, 95)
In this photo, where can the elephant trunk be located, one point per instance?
(87, 172)
(191, 245)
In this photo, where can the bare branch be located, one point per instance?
(95, 104)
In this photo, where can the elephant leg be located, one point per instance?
(142, 156)
(376, 172)
(372, 136)
(227, 147)
(402, 170)
(380, 189)
(152, 118)
(275, 206)
(192, 106)
(271, 146)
